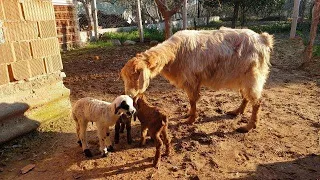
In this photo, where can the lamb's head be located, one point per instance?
(124, 105)
(136, 75)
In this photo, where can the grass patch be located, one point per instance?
(150, 34)
(99, 44)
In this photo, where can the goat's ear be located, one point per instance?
(144, 79)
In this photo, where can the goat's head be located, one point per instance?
(135, 75)
(124, 105)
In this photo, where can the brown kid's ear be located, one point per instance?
(144, 78)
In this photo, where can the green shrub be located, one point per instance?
(151, 34)
(272, 28)
(316, 50)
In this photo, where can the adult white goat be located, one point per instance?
(225, 58)
(104, 114)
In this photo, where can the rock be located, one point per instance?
(115, 42)
(128, 42)
(154, 42)
(27, 168)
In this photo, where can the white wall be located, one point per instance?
(62, 2)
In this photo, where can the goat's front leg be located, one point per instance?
(103, 133)
(193, 93)
(144, 131)
(252, 124)
(166, 139)
(116, 133)
(128, 127)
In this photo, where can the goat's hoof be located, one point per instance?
(232, 113)
(87, 152)
(156, 165)
(80, 143)
(242, 130)
(116, 141)
(130, 141)
(110, 149)
(104, 155)
(191, 120)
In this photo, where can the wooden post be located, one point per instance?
(95, 20)
(295, 15)
(185, 14)
(140, 27)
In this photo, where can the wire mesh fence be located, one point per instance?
(273, 16)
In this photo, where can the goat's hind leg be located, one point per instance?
(159, 144)
(166, 140)
(193, 93)
(83, 138)
(241, 108)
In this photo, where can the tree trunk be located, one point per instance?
(235, 14)
(95, 20)
(185, 14)
(313, 31)
(243, 16)
(295, 15)
(140, 21)
(88, 9)
(167, 14)
(167, 23)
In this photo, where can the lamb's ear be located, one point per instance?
(144, 79)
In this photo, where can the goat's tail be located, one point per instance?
(267, 40)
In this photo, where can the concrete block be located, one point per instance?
(12, 10)
(48, 64)
(37, 67)
(7, 54)
(47, 29)
(4, 76)
(38, 10)
(17, 51)
(17, 31)
(37, 48)
(1, 11)
(56, 63)
(20, 70)
(25, 50)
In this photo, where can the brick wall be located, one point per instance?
(28, 40)
(66, 26)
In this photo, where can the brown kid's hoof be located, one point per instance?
(87, 153)
(232, 113)
(191, 120)
(80, 143)
(242, 130)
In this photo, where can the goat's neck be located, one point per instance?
(161, 56)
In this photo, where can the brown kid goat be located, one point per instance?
(154, 122)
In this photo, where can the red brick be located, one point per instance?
(4, 76)
(12, 10)
(20, 70)
(47, 29)
(37, 67)
(7, 54)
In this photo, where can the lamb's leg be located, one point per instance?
(83, 138)
(123, 124)
(167, 140)
(252, 124)
(144, 131)
(159, 144)
(128, 127)
(240, 109)
(116, 133)
(193, 93)
(78, 131)
(102, 135)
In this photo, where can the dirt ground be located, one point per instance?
(285, 144)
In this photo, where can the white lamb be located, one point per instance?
(104, 114)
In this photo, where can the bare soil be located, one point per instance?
(285, 145)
